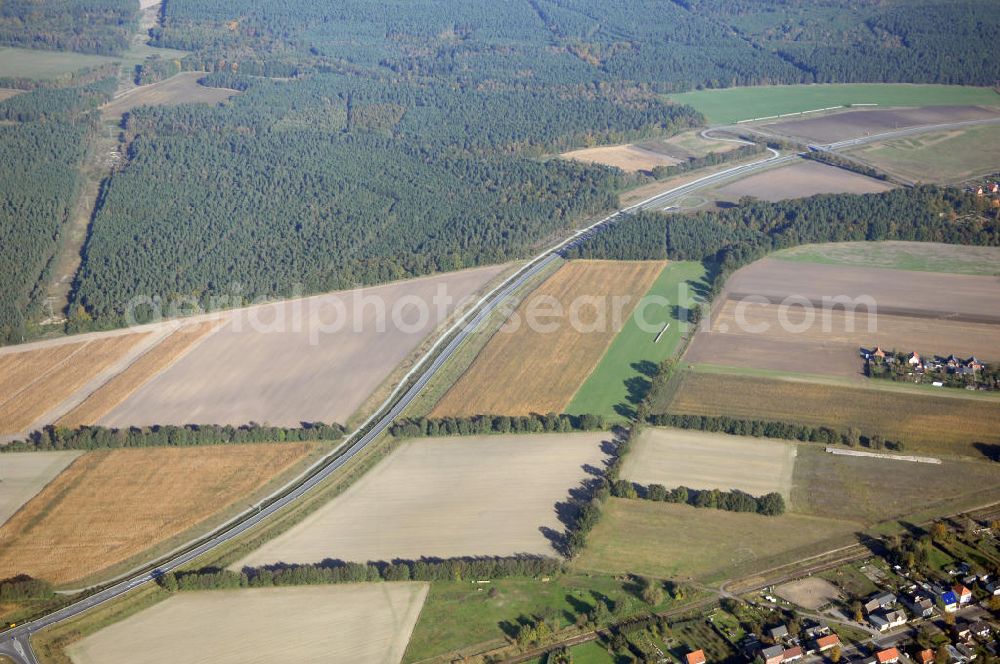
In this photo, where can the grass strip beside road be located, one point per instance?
(621, 378)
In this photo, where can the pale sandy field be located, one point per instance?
(801, 179)
(289, 370)
(24, 475)
(446, 497)
(631, 158)
(182, 88)
(346, 624)
(702, 460)
(7, 93)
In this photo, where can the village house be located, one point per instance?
(772, 655)
(880, 601)
(696, 657)
(887, 656)
(824, 643)
(883, 621)
(792, 654)
(921, 605)
(962, 594)
(925, 656)
(950, 601)
(981, 629)
(778, 633)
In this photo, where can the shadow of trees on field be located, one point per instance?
(989, 450)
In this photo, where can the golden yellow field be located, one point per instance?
(535, 369)
(631, 158)
(944, 422)
(55, 382)
(110, 505)
(155, 360)
(17, 370)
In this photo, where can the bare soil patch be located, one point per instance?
(310, 625)
(7, 93)
(702, 460)
(109, 505)
(182, 88)
(810, 593)
(314, 359)
(24, 475)
(151, 363)
(480, 495)
(803, 178)
(630, 158)
(853, 124)
(956, 296)
(526, 370)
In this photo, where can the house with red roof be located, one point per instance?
(887, 656)
(696, 657)
(824, 643)
(962, 594)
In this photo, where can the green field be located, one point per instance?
(946, 157)
(591, 652)
(35, 63)
(618, 382)
(459, 614)
(734, 104)
(677, 541)
(918, 256)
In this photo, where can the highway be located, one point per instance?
(14, 642)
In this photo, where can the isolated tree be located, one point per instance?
(835, 654)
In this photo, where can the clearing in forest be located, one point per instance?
(537, 368)
(444, 497)
(803, 178)
(308, 625)
(182, 88)
(629, 158)
(110, 505)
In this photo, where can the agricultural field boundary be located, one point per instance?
(876, 455)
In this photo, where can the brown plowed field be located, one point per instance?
(801, 179)
(539, 370)
(182, 88)
(854, 124)
(110, 505)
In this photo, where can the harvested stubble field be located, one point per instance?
(182, 88)
(854, 124)
(693, 144)
(945, 421)
(307, 625)
(678, 541)
(810, 593)
(445, 497)
(33, 384)
(872, 490)
(151, 363)
(702, 460)
(313, 359)
(802, 178)
(829, 342)
(24, 475)
(537, 369)
(916, 256)
(110, 505)
(629, 158)
(952, 156)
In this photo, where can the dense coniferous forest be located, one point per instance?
(39, 154)
(104, 27)
(335, 181)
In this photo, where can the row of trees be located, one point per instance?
(495, 424)
(338, 571)
(711, 159)
(834, 159)
(771, 504)
(850, 436)
(98, 437)
(22, 588)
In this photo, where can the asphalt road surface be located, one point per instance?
(14, 642)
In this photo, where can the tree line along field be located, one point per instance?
(347, 623)
(734, 104)
(538, 368)
(71, 530)
(446, 497)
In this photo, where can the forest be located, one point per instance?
(39, 155)
(103, 27)
(335, 181)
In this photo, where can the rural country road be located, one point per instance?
(14, 642)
